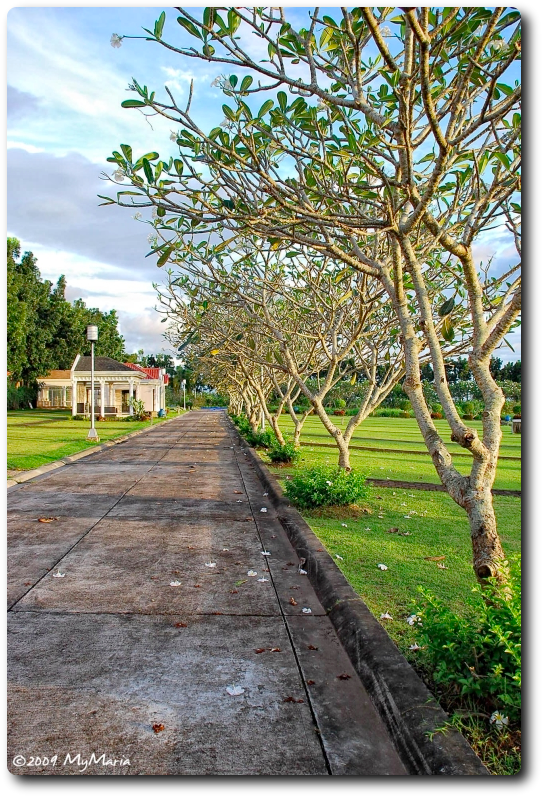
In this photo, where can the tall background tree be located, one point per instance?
(44, 330)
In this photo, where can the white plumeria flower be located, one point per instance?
(381, 566)
(251, 573)
(414, 619)
(218, 82)
(403, 504)
(367, 529)
(302, 571)
(385, 31)
(116, 40)
(59, 574)
(498, 719)
(173, 136)
(175, 583)
(263, 511)
(306, 610)
(238, 501)
(211, 564)
(265, 494)
(339, 557)
(152, 239)
(410, 495)
(225, 549)
(136, 216)
(154, 212)
(329, 483)
(265, 553)
(414, 647)
(235, 690)
(225, 124)
(263, 580)
(119, 174)
(386, 616)
(499, 44)
(344, 525)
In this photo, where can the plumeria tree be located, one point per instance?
(388, 140)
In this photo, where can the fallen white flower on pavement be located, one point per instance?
(251, 573)
(210, 564)
(306, 610)
(175, 583)
(265, 553)
(263, 510)
(235, 690)
(339, 557)
(498, 719)
(302, 571)
(263, 580)
(238, 501)
(265, 494)
(225, 549)
(59, 574)
(386, 616)
(381, 566)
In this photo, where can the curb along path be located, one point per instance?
(129, 653)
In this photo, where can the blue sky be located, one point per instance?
(65, 87)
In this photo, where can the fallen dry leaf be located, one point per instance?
(275, 649)
(216, 613)
(393, 530)
(292, 601)
(320, 550)
(295, 587)
(197, 586)
(158, 728)
(234, 591)
(311, 647)
(47, 519)
(237, 492)
(343, 677)
(260, 650)
(181, 624)
(434, 558)
(291, 699)
(310, 682)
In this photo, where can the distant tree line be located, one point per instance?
(45, 331)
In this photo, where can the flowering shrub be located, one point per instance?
(325, 486)
(339, 412)
(479, 657)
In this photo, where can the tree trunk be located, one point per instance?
(487, 552)
(273, 420)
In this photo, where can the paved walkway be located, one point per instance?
(112, 659)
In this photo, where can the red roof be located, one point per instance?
(152, 373)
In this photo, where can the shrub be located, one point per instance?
(480, 657)
(387, 413)
(340, 403)
(405, 414)
(285, 454)
(468, 417)
(325, 486)
(339, 412)
(259, 439)
(436, 408)
(436, 415)
(516, 409)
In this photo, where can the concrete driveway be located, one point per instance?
(224, 673)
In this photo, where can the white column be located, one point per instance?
(131, 395)
(74, 397)
(102, 397)
(63, 396)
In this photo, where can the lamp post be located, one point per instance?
(92, 336)
(183, 385)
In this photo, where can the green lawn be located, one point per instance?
(403, 435)
(37, 437)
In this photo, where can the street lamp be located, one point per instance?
(92, 336)
(183, 385)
